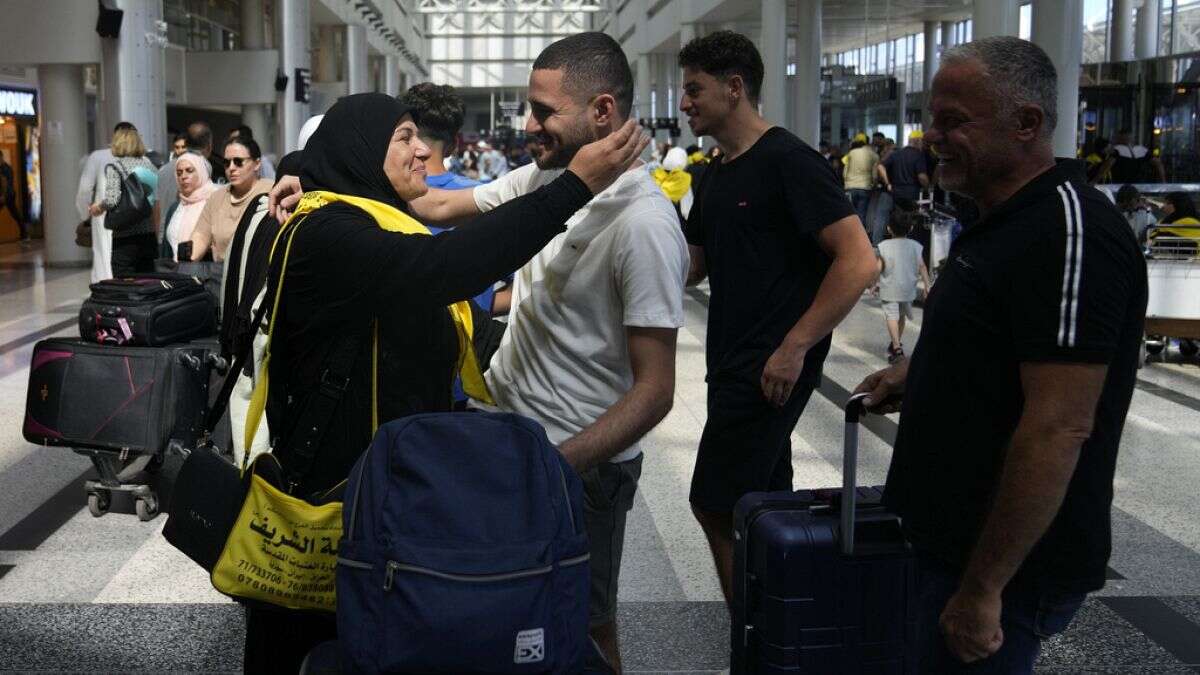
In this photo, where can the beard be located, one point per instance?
(557, 152)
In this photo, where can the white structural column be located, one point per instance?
(253, 37)
(391, 75)
(641, 92)
(687, 33)
(1058, 29)
(995, 17)
(807, 105)
(357, 75)
(948, 40)
(134, 65)
(291, 18)
(773, 45)
(327, 60)
(1120, 45)
(932, 56)
(64, 141)
(1146, 30)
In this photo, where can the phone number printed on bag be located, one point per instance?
(281, 557)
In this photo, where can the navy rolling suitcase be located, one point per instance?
(823, 581)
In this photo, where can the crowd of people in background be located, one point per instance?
(802, 233)
(876, 174)
(185, 207)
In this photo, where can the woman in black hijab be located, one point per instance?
(345, 272)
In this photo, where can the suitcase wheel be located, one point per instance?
(98, 503)
(147, 508)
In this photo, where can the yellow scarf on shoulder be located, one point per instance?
(393, 220)
(674, 184)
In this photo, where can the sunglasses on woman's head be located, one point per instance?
(236, 161)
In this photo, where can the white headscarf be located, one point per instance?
(187, 213)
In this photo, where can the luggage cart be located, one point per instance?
(133, 472)
(1173, 306)
(118, 473)
(943, 228)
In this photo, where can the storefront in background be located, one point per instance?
(19, 147)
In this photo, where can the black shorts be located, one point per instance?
(746, 445)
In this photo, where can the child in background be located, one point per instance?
(902, 264)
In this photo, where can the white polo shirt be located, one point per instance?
(623, 261)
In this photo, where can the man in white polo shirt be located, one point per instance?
(590, 346)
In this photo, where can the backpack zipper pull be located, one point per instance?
(387, 579)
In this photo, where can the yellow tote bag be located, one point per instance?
(282, 550)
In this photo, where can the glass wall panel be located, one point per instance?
(1167, 10)
(1186, 24)
(1095, 30)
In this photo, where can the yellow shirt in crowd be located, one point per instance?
(860, 168)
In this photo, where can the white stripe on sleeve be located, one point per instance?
(1078, 264)
(1064, 310)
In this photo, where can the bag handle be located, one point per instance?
(239, 363)
(854, 412)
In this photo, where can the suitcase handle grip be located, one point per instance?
(854, 412)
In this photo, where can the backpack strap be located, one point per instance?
(311, 419)
(239, 363)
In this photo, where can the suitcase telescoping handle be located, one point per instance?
(854, 412)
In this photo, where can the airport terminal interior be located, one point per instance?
(88, 583)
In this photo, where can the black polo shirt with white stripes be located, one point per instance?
(1051, 275)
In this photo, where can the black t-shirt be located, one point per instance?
(1052, 275)
(757, 218)
(902, 167)
(343, 270)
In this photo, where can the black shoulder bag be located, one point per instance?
(132, 207)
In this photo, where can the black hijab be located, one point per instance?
(290, 165)
(346, 153)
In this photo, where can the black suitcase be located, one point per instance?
(823, 583)
(149, 309)
(128, 400)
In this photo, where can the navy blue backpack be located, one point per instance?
(463, 551)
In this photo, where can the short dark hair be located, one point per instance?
(592, 63)
(877, 134)
(124, 125)
(724, 54)
(199, 136)
(244, 131)
(902, 222)
(249, 144)
(439, 109)
(178, 136)
(1127, 194)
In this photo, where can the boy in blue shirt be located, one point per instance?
(441, 111)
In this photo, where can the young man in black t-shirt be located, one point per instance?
(787, 259)
(1017, 392)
